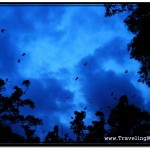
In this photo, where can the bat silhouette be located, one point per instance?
(85, 108)
(85, 64)
(19, 60)
(23, 54)
(112, 93)
(2, 30)
(67, 97)
(77, 78)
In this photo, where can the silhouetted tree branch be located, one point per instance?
(138, 23)
(10, 110)
(78, 126)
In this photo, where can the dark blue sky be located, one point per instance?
(58, 40)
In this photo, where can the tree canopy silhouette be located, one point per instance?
(128, 121)
(10, 114)
(138, 23)
(124, 120)
(53, 136)
(78, 126)
(96, 131)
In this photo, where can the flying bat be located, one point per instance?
(85, 108)
(126, 71)
(76, 78)
(19, 60)
(7, 80)
(112, 93)
(2, 30)
(85, 64)
(67, 97)
(23, 54)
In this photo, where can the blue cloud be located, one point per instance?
(98, 79)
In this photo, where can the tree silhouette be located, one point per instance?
(66, 138)
(26, 83)
(128, 120)
(53, 136)
(30, 135)
(8, 136)
(96, 131)
(124, 120)
(78, 126)
(138, 23)
(2, 84)
(10, 113)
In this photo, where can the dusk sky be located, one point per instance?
(58, 41)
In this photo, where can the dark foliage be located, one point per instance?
(96, 131)
(53, 136)
(128, 121)
(30, 138)
(10, 115)
(138, 23)
(8, 136)
(78, 126)
(125, 120)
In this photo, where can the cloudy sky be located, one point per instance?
(58, 40)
